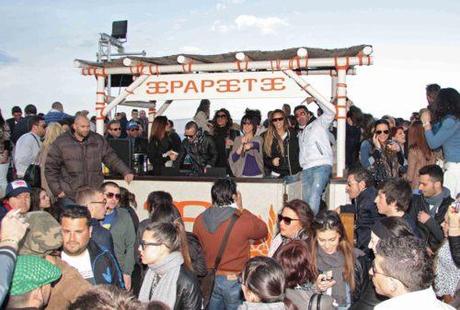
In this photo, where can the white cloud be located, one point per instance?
(218, 26)
(266, 25)
(220, 6)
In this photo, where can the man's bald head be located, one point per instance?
(81, 127)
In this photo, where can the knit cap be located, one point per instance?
(43, 236)
(32, 272)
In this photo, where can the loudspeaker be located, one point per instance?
(119, 29)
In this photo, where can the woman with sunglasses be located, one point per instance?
(381, 156)
(445, 133)
(281, 148)
(294, 222)
(162, 149)
(342, 270)
(167, 279)
(246, 159)
(223, 135)
(264, 285)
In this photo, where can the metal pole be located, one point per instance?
(341, 120)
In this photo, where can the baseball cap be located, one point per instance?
(16, 187)
(132, 124)
(32, 272)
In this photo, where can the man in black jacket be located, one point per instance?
(198, 149)
(360, 189)
(430, 207)
(16, 112)
(95, 264)
(23, 126)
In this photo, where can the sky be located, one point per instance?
(415, 43)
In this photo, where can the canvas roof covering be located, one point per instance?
(254, 55)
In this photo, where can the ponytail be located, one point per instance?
(184, 243)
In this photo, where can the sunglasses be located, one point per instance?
(278, 119)
(134, 129)
(221, 116)
(379, 132)
(112, 195)
(247, 123)
(144, 244)
(116, 129)
(286, 220)
(331, 221)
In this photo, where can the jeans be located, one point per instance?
(291, 178)
(314, 181)
(226, 294)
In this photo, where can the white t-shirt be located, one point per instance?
(82, 263)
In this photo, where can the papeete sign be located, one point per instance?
(217, 86)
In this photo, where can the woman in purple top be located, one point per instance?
(246, 159)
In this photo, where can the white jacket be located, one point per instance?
(420, 300)
(314, 143)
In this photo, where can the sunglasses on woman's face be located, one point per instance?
(379, 132)
(221, 116)
(286, 220)
(278, 119)
(112, 195)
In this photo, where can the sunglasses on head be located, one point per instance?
(112, 195)
(221, 116)
(379, 132)
(278, 119)
(330, 220)
(286, 220)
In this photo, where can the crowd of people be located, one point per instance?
(71, 240)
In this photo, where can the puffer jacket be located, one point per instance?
(188, 291)
(289, 163)
(202, 151)
(71, 164)
(105, 266)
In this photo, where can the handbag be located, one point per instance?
(207, 283)
(33, 174)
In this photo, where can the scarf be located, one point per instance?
(165, 288)
(336, 263)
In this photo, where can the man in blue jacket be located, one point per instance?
(56, 114)
(95, 264)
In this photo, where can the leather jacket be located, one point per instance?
(202, 152)
(289, 163)
(188, 291)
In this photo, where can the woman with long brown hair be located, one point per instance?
(294, 222)
(419, 155)
(281, 147)
(161, 149)
(342, 270)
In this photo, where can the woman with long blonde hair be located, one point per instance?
(281, 147)
(53, 130)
